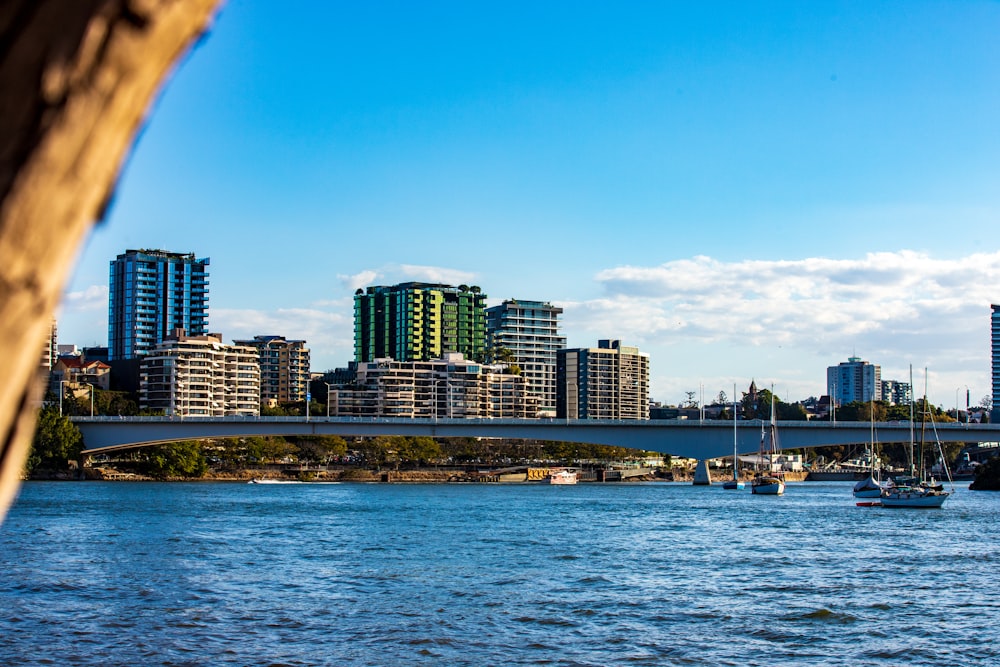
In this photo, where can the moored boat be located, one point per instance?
(920, 495)
(868, 488)
(735, 482)
(871, 486)
(767, 485)
(768, 482)
(562, 477)
(912, 490)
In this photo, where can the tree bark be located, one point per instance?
(76, 80)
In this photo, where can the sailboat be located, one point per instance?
(870, 487)
(913, 490)
(766, 481)
(735, 482)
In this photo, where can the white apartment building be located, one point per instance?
(610, 381)
(895, 392)
(200, 376)
(284, 368)
(530, 331)
(854, 380)
(449, 387)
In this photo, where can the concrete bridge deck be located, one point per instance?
(686, 438)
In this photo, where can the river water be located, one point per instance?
(375, 574)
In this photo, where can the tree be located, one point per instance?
(267, 448)
(422, 450)
(273, 411)
(987, 476)
(76, 92)
(757, 407)
(115, 403)
(690, 402)
(57, 441)
(175, 459)
(320, 448)
(790, 411)
(382, 450)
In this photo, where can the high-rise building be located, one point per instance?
(854, 380)
(50, 352)
(284, 368)
(451, 387)
(895, 392)
(200, 376)
(529, 330)
(152, 293)
(419, 322)
(610, 381)
(995, 349)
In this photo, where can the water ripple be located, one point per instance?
(639, 574)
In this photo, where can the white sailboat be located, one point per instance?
(767, 482)
(735, 482)
(870, 487)
(914, 490)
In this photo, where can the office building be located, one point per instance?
(284, 368)
(152, 293)
(200, 376)
(529, 331)
(451, 387)
(854, 380)
(419, 321)
(610, 381)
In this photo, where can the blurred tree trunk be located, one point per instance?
(76, 80)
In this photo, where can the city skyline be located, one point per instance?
(741, 192)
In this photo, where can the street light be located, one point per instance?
(91, 397)
(328, 387)
(966, 403)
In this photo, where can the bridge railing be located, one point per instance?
(692, 423)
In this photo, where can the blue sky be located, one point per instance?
(743, 190)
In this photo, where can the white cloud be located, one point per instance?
(798, 302)
(397, 273)
(94, 297)
(703, 317)
(359, 280)
(436, 274)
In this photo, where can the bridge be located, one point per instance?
(683, 438)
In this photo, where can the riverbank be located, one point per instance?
(364, 475)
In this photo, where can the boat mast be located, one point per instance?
(923, 429)
(913, 471)
(774, 437)
(871, 453)
(736, 475)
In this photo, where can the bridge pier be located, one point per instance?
(701, 474)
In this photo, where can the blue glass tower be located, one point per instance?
(152, 293)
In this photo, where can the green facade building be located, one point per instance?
(419, 322)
